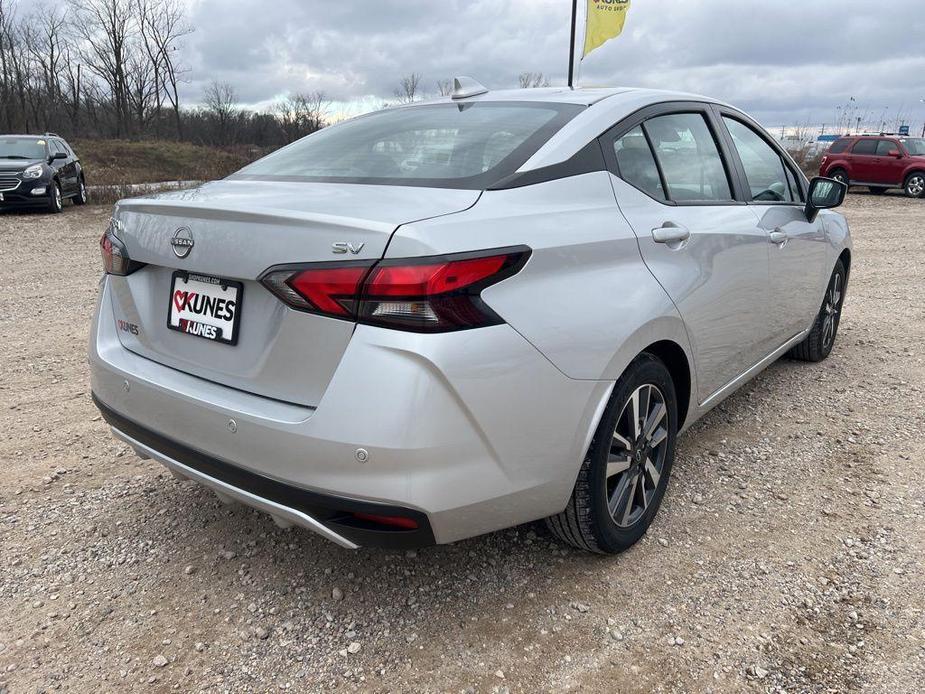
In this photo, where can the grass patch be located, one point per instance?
(122, 162)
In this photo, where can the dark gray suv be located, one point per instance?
(39, 171)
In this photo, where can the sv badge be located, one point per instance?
(343, 247)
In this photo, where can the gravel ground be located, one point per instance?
(787, 555)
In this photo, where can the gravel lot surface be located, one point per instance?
(787, 555)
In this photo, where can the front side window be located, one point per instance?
(637, 164)
(689, 158)
(765, 171)
(469, 146)
(865, 147)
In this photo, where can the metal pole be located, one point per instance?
(571, 54)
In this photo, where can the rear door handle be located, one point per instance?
(669, 232)
(779, 237)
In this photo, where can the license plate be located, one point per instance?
(207, 307)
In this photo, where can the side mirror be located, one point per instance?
(824, 194)
(57, 155)
(895, 153)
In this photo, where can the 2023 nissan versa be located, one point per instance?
(443, 319)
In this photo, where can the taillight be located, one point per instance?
(435, 294)
(330, 289)
(115, 256)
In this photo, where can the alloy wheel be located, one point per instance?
(58, 201)
(637, 455)
(831, 311)
(916, 186)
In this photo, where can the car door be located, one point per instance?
(798, 248)
(67, 169)
(888, 167)
(673, 186)
(863, 160)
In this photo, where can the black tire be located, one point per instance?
(818, 344)
(914, 187)
(587, 522)
(81, 197)
(55, 201)
(840, 175)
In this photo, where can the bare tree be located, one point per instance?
(445, 87)
(162, 24)
(532, 80)
(302, 114)
(105, 28)
(408, 88)
(220, 103)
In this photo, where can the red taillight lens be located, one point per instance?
(330, 289)
(427, 296)
(422, 294)
(115, 256)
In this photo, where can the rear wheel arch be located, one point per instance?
(673, 356)
(845, 259)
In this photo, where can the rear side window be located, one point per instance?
(470, 146)
(839, 146)
(884, 147)
(689, 158)
(637, 164)
(765, 170)
(865, 147)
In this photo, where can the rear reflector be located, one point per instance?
(399, 522)
(435, 294)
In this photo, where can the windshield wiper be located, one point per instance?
(12, 156)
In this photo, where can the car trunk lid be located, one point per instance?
(239, 229)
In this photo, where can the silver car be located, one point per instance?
(442, 319)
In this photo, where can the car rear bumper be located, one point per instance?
(464, 432)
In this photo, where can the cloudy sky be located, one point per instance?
(786, 62)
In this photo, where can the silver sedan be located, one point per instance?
(443, 319)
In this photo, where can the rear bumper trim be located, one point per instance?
(329, 516)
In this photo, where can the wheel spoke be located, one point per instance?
(643, 498)
(632, 486)
(655, 418)
(634, 413)
(617, 464)
(622, 441)
(653, 473)
(621, 498)
(658, 436)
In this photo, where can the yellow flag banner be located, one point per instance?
(605, 22)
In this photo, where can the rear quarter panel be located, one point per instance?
(585, 299)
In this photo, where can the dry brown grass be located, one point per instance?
(123, 162)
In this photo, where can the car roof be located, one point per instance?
(606, 106)
(31, 137)
(585, 96)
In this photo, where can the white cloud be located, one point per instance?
(783, 61)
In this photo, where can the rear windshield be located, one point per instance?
(442, 145)
(21, 148)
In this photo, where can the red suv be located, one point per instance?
(879, 162)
